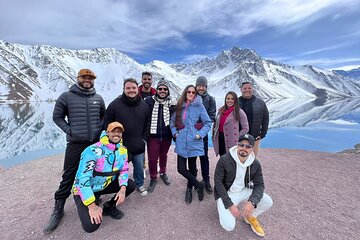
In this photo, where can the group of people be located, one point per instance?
(102, 141)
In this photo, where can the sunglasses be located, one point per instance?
(248, 146)
(191, 92)
(163, 89)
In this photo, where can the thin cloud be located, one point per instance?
(139, 26)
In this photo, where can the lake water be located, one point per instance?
(27, 131)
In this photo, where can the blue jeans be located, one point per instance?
(138, 163)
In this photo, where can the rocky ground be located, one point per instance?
(316, 196)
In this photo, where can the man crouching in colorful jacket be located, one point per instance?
(103, 169)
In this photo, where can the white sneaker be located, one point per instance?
(142, 190)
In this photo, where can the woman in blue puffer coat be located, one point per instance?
(189, 136)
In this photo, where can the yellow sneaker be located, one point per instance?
(255, 226)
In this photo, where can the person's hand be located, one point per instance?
(95, 213)
(247, 209)
(120, 196)
(197, 136)
(234, 211)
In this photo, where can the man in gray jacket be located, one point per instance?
(210, 106)
(256, 112)
(238, 179)
(78, 113)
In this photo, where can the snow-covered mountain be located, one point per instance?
(352, 74)
(43, 72)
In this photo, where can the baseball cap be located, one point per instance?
(247, 137)
(86, 72)
(114, 125)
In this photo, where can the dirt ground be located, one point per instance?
(316, 196)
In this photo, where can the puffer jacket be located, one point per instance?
(210, 105)
(101, 157)
(84, 110)
(186, 144)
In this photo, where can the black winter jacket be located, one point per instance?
(84, 110)
(210, 105)
(135, 117)
(260, 116)
(225, 174)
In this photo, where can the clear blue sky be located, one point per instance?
(325, 33)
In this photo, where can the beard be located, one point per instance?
(243, 154)
(87, 86)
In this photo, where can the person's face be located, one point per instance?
(146, 81)
(201, 89)
(247, 91)
(86, 82)
(229, 100)
(162, 91)
(190, 94)
(244, 148)
(131, 90)
(115, 135)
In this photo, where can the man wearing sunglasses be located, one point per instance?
(145, 89)
(238, 180)
(79, 113)
(161, 107)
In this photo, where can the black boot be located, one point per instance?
(109, 209)
(208, 187)
(188, 195)
(200, 190)
(56, 216)
(152, 185)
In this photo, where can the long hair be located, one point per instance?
(236, 105)
(178, 108)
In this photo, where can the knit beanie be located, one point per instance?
(162, 82)
(201, 81)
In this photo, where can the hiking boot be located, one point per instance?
(152, 185)
(109, 209)
(200, 190)
(165, 178)
(56, 216)
(188, 195)
(208, 187)
(142, 190)
(255, 226)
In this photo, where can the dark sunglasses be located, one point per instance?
(248, 146)
(191, 92)
(163, 89)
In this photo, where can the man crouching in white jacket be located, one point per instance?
(238, 179)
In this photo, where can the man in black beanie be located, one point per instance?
(210, 106)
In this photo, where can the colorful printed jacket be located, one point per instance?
(101, 157)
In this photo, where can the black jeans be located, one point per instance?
(71, 163)
(83, 211)
(204, 161)
(189, 174)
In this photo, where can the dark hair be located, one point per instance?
(179, 104)
(236, 113)
(146, 73)
(242, 84)
(133, 80)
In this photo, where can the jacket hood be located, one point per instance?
(75, 89)
(197, 101)
(104, 139)
(234, 155)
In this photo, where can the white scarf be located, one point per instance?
(155, 113)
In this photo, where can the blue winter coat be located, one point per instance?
(186, 144)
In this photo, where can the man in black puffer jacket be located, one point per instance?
(78, 113)
(133, 113)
